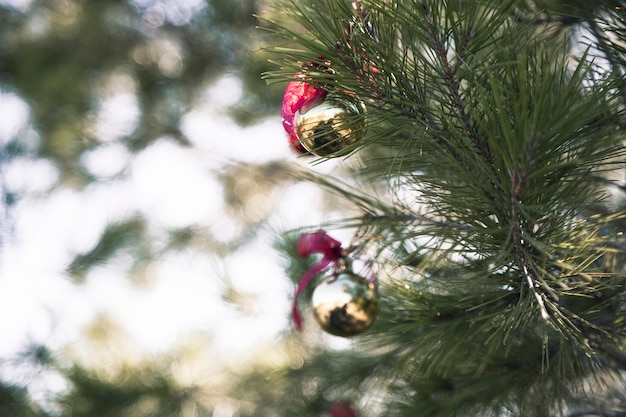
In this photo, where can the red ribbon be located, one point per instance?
(308, 244)
(299, 96)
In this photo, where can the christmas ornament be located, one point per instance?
(345, 304)
(317, 122)
(342, 409)
(330, 127)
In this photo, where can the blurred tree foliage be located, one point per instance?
(65, 58)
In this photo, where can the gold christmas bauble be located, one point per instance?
(345, 304)
(329, 128)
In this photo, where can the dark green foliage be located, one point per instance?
(142, 392)
(15, 402)
(15, 399)
(503, 275)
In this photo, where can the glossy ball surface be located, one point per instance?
(345, 304)
(330, 128)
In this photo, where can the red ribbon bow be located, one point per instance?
(309, 243)
(299, 96)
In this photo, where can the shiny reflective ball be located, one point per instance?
(331, 127)
(345, 304)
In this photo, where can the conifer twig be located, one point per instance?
(449, 72)
(517, 184)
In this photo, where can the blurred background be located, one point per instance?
(144, 180)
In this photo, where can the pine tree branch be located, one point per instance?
(505, 145)
(418, 114)
(370, 81)
(518, 181)
(450, 76)
(449, 73)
